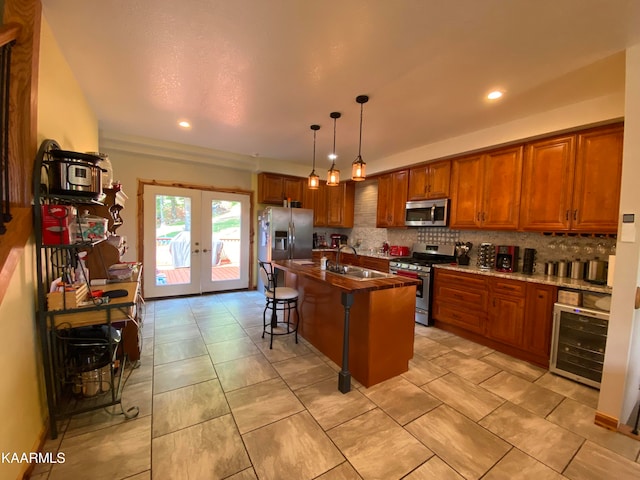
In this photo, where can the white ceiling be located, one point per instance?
(253, 75)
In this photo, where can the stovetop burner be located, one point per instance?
(425, 255)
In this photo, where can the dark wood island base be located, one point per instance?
(379, 316)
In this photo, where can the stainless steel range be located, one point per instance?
(419, 265)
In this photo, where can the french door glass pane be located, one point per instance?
(173, 239)
(225, 240)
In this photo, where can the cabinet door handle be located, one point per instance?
(483, 216)
(566, 215)
(575, 214)
(478, 216)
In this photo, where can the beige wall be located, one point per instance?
(65, 116)
(621, 377)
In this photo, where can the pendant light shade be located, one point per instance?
(314, 179)
(358, 167)
(333, 175)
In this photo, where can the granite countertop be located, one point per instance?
(312, 270)
(535, 278)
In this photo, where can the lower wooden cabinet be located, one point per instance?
(511, 316)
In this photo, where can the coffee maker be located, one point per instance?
(506, 258)
(338, 239)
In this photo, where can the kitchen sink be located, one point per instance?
(357, 273)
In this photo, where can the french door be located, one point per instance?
(195, 241)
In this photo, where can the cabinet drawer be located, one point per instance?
(465, 280)
(503, 286)
(472, 321)
(470, 299)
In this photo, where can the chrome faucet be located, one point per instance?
(338, 266)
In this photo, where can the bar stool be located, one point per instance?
(277, 298)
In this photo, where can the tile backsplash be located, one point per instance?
(548, 248)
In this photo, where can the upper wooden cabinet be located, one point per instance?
(392, 194)
(572, 183)
(485, 190)
(332, 206)
(274, 188)
(429, 181)
(340, 203)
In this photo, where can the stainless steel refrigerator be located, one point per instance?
(284, 233)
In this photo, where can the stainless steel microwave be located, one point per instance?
(427, 213)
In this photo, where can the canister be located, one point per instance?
(550, 268)
(563, 269)
(577, 269)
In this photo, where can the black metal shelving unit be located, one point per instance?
(57, 329)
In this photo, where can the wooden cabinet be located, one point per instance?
(511, 316)
(316, 200)
(485, 190)
(429, 181)
(340, 204)
(538, 320)
(572, 183)
(460, 299)
(506, 311)
(274, 188)
(598, 173)
(392, 194)
(332, 206)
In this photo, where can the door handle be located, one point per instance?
(575, 214)
(196, 250)
(204, 250)
(566, 215)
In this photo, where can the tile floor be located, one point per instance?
(215, 402)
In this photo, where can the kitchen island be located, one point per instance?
(376, 317)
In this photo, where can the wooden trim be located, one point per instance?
(603, 420)
(193, 186)
(38, 446)
(8, 33)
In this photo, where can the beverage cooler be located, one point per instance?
(578, 343)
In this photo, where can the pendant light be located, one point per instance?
(333, 175)
(358, 166)
(314, 179)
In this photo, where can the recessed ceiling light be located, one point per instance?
(496, 94)
(184, 124)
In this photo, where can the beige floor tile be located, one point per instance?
(215, 320)
(344, 471)
(244, 371)
(428, 348)
(531, 397)
(370, 439)
(169, 376)
(517, 464)
(170, 352)
(434, 469)
(303, 370)
(329, 406)
(432, 332)
(422, 370)
(474, 370)
(310, 452)
(187, 406)
(284, 347)
(513, 365)
(143, 373)
(467, 398)
(212, 449)
(114, 452)
(174, 320)
(579, 419)
(400, 399)
(232, 349)
(263, 403)
(141, 476)
(465, 446)
(174, 334)
(221, 333)
(569, 388)
(593, 462)
(467, 347)
(545, 441)
(247, 474)
(134, 395)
